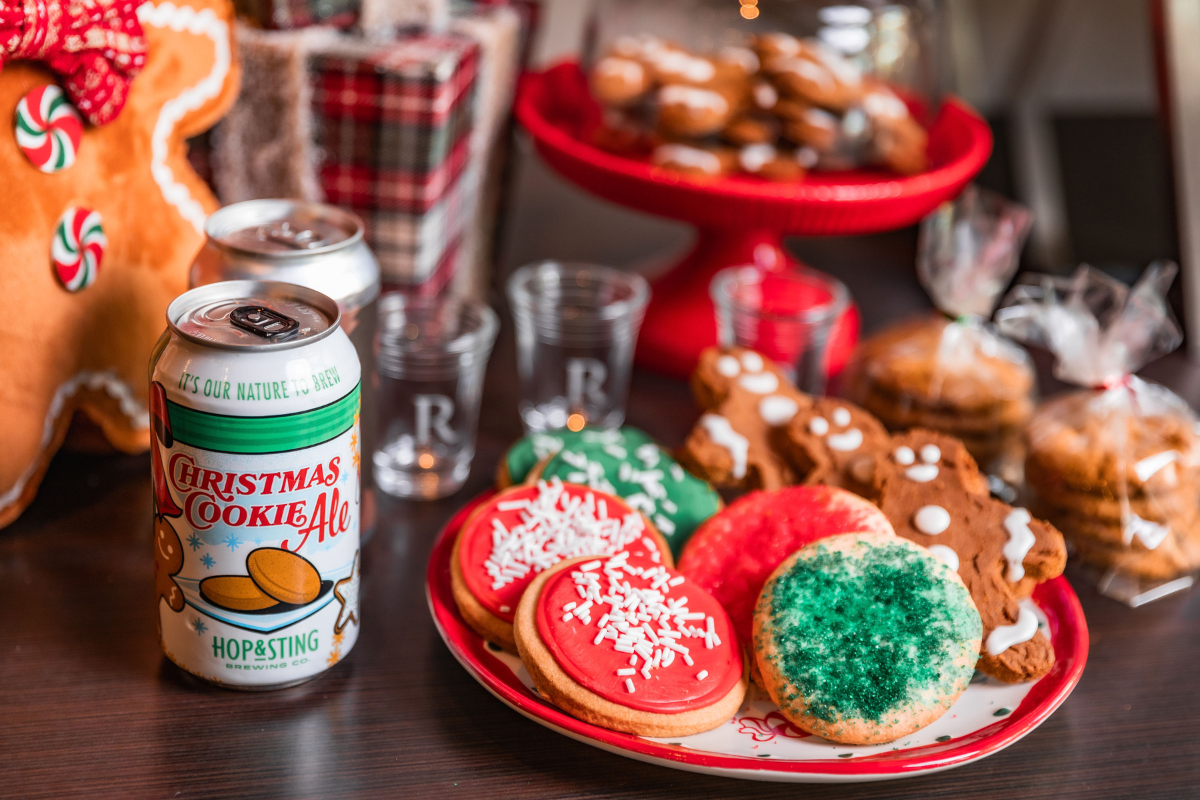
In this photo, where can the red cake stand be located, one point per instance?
(739, 220)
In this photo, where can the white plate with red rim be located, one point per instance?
(758, 743)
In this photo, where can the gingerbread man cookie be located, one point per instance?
(168, 561)
(934, 494)
(619, 81)
(767, 161)
(835, 443)
(699, 162)
(744, 397)
(693, 111)
(816, 74)
(901, 143)
(168, 550)
(95, 251)
(752, 129)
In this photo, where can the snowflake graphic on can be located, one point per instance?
(48, 129)
(78, 248)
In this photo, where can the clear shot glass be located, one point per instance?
(430, 357)
(786, 315)
(576, 327)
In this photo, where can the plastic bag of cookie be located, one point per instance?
(1115, 466)
(954, 372)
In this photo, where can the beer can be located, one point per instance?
(309, 244)
(255, 458)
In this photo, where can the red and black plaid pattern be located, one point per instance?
(438, 278)
(393, 129)
(291, 14)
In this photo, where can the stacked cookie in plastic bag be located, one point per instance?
(1115, 466)
(953, 372)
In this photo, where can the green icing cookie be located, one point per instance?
(642, 474)
(865, 635)
(529, 451)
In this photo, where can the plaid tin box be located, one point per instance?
(393, 134)
(291, 14)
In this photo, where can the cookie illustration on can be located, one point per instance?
(236, 593)
(345, 592)
(168, 561)
(275, 576)
(168, 549)
(284, 575)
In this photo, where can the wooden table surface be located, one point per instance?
(90, 707)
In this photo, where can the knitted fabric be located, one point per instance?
(97, 46)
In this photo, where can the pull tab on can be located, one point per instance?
(295, 238)
(265, 322)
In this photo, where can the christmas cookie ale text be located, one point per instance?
(210, 497)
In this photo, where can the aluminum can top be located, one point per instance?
(253, 316)
(310, 244)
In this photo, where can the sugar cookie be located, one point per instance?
(863, 638)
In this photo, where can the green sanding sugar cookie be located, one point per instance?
(529, 451)
(864, 638)
(644, 476)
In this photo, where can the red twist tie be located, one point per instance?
(1117, 382)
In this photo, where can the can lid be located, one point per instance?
(283, 228)
(252, 316)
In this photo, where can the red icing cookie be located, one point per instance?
(733, 553)
(639, 634)
(528, 529)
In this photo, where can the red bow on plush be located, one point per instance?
(97, 46)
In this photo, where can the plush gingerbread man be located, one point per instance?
(745, 397)
(101, 213)
(933, 493)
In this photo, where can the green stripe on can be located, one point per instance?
(262, 435)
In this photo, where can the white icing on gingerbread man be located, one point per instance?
(777, 410)
(845, 441)
(1020, 540)
(931, 520)
(921, 473)
(722, 433)
(945, 554)
(749, 372)
(1006, 636)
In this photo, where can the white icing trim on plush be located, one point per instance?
(200, 23)
(116, 388)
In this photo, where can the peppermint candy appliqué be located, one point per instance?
(78, 248)
(48, 129)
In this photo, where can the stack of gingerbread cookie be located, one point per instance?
(772, 107)
(946, 376)
(1122, 484)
